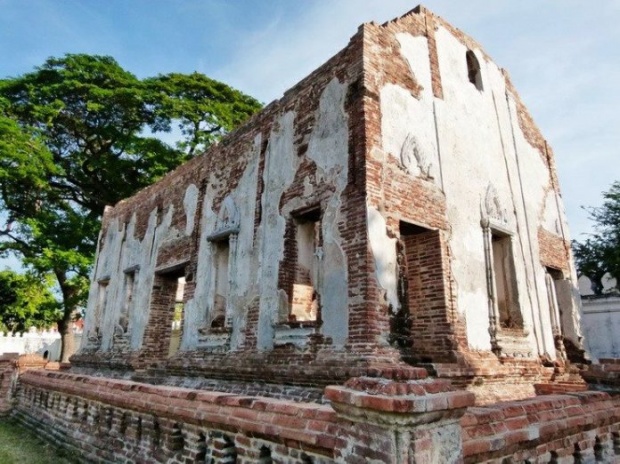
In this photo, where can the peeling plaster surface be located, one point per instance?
(483, 149)
(407, 123)
(476, 127)
(328, 148)
(242, 262)
(196, 308)
(124, 253)
(384, 253)
(281, 163)
(487, 147)
(190, 203)
(553, 218)
(253, 262)
(244, 284)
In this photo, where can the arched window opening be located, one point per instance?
(473, 69)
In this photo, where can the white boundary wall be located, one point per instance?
(46, 343)
(601, 318)
(601, 325)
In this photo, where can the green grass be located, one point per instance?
(18, 445)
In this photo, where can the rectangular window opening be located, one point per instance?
(418, 259)
(557, 293)
(304, 301)
(124, 318)
(176, 285)
(102, 301)
(221, 263)
(505, 283)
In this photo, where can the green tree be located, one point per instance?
(202, 108)
(77, 134)
(26, 301)
(600, 253)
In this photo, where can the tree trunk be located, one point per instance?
(65, 325)
(67, 340)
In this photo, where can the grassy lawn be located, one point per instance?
(18, 445)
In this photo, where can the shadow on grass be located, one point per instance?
(18, 445)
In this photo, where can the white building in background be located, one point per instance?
(45, 343)
(601, 317)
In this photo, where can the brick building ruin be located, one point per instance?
(396, 207)
(339, 279)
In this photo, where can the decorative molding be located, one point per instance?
(228, 220)
(412, 156)
(493, 211)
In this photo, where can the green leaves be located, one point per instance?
(26, 300)
(600, 254)
(202, 108)
(79, 133)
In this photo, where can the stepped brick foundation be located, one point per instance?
(417, 420)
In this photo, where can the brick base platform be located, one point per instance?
(407, 418)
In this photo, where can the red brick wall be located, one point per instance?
(106, 420)
(159, 327)
(584, 426)
(554, 251)
(388, 419)
(429, 303)
(437, 331)
(8, 376)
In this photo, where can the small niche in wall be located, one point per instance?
(473, 69)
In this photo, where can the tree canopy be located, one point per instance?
(79, 133)
(26, 301)
(600, 253)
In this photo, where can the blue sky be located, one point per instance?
(563, 56)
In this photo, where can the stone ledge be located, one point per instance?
(411, 402)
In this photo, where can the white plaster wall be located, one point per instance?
(482, 131)
(407, 122)
(472, 161)
(120, 251)
(281, 163)
(34, 342)
(384, 253)
(601, 326)
(242, 264)
(483, 144)
(475, 144)
(196, 309)
(328, 148)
